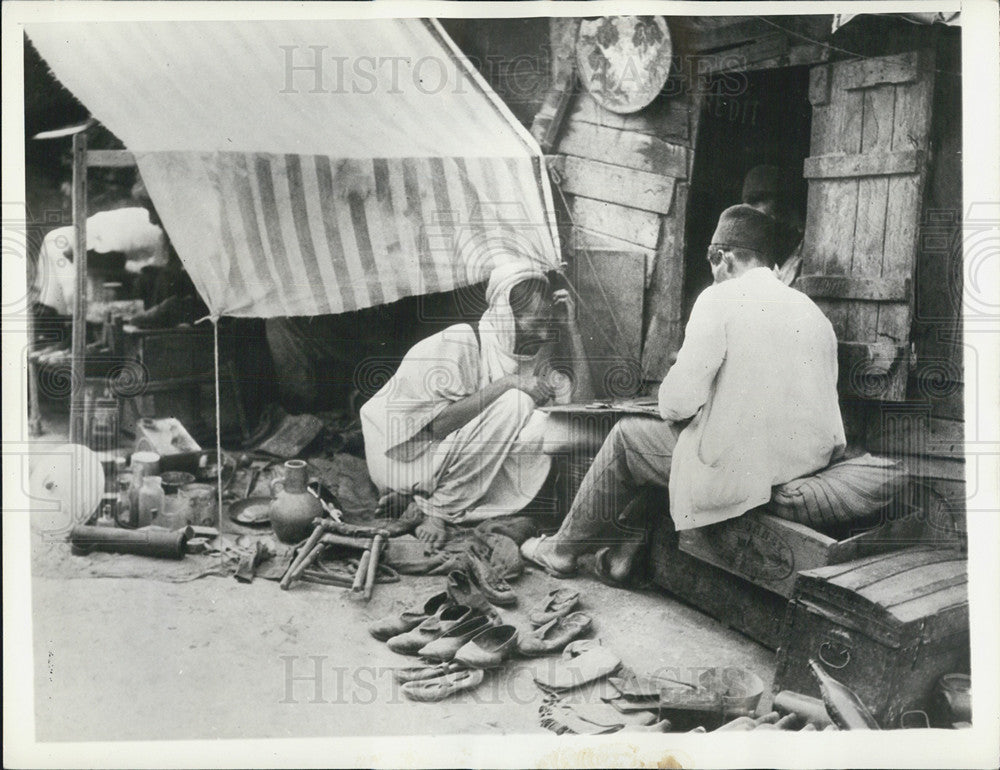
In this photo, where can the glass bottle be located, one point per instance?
(842, 703)
(151, 500)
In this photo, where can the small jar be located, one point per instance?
(151, 500)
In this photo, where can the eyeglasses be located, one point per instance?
(714, 254)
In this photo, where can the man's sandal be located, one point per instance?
(529, 550)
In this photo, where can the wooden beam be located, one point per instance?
(745, 56)
(616, 184)
(78, 346)
(666, 116)
(886, 70)
(916, 434)
(819, 86)
(838, 166)
(724, 35)
(110, 159)
(625, 148)
(852, 287)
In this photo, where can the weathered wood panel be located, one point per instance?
(866, 174)
(667, 116)
(611, 286)
(849, 287)
(624, 148)
(891, 70)
(664, 324)
(616, 184)
(874, 164)
(621, 222)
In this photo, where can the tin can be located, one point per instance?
(200, 504)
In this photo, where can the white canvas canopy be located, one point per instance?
(311, 167)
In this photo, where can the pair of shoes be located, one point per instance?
(557, 604)
(412, 641)
(393, 625)
(554, 635)
(488, 648)
(530, 551)
(441, 687)
(451, 641)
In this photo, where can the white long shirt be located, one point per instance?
(758, 374)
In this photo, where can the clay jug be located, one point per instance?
(293, 507)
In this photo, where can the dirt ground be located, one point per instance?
(138, 659)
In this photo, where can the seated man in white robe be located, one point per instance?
(751, 403)
(456, 431)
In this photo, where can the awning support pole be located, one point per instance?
(78, 363)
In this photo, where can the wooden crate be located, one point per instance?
(770, 552)
(888, 627)
(737, 603)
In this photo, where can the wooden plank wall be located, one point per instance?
(625, 181)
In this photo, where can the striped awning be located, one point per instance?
(304, 167)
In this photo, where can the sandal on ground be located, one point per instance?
(558, 603)
(529, 550)
(583, 661)
(430, 690)
(553, 636)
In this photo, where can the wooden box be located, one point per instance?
(737, 603)
(887, 626)
(770, 552)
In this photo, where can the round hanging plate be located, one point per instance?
(624, 61)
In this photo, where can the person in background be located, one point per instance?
(750, 403)
(167, 291)
(456, 431)
(120, 241)
(772, 191)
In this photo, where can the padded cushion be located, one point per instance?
(844, 492)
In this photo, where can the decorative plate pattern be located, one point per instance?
(624, 61)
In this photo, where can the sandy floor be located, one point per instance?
(127, 659)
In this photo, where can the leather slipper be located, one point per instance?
(529, 550)
(553, 636)
(393, 625)
(452, 640)
(583, 661)
(557, 604)
(489, 648)
(410, 642)
(439, 688)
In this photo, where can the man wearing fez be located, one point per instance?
(751, 403)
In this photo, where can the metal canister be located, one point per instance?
(200, 503)
(952, 700)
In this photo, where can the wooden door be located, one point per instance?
(869, 154)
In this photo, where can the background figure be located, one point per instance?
(775, 192)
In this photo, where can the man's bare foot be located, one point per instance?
(432, 531)
(614, 564)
